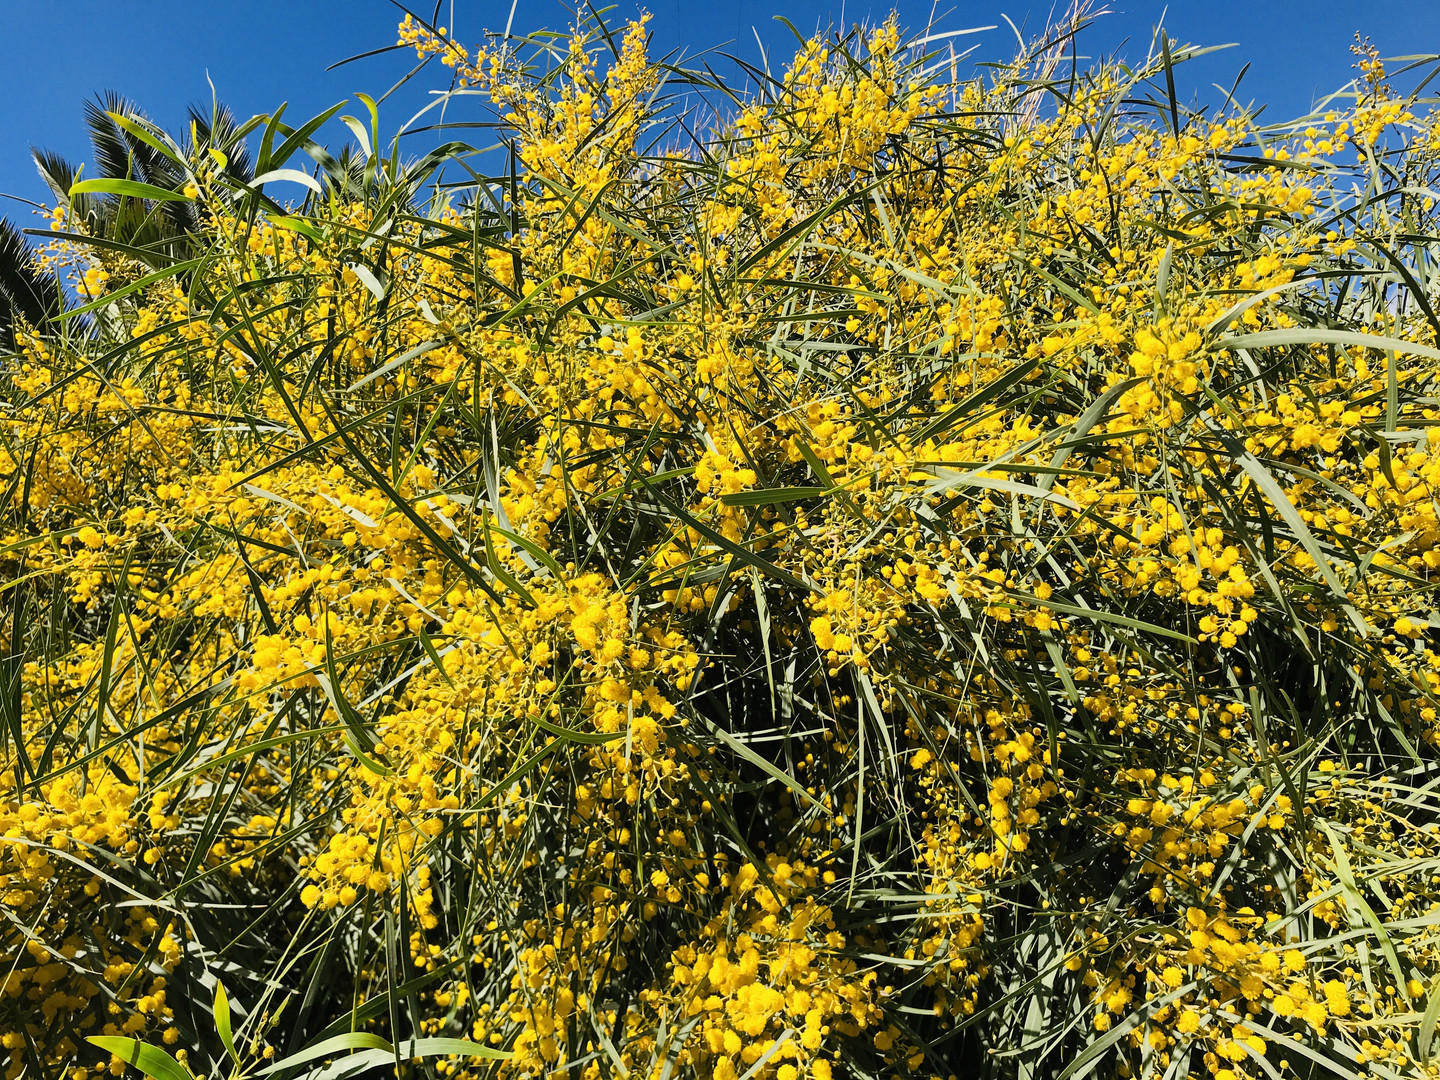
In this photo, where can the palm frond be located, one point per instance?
(217, 128)
(113, 149)
(27, 292)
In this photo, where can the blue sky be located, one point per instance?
(258, 53)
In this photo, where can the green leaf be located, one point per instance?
(294, 176)
(381, 1057)
(797, 231)
(247, 751)
(361, 135)
(1356, 901)
(497, 568)
(534, 550)
(813, 460)
(520, 771)
(1086, 1061)
(438, 1047)
(771, 496)
(222, 1021)
(295, 138)
(139, 283)
(374, 110)
(1087, 420)
(368, 279)
(759, 1064)
(385, 369)
(352, 1040)
(984, 396)
(428, 644)
(1231, 314)
(1276, 494)
(131, 188)
(744, 554)
(590, 738)
(1424, 1040)
(150, 1060)
(945, 480)
(358, 739)
(760, 763)
(142, 133)
(1104, 616)
(299, 225)
(1310, 335)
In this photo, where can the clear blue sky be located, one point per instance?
(259, 53)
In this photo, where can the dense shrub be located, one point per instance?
(932, 575)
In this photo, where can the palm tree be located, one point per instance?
(26, 291)
(155, 231)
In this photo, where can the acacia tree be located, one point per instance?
(915, 582)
